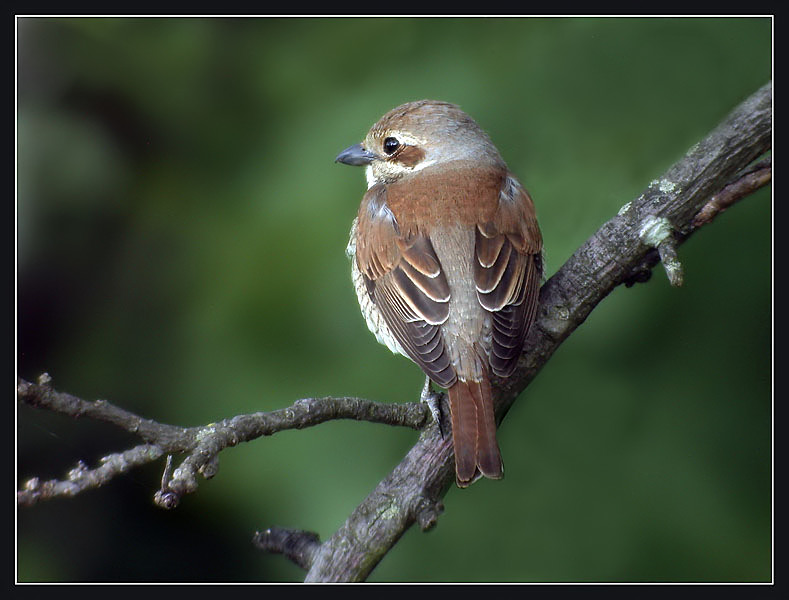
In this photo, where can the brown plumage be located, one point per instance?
(447, 262)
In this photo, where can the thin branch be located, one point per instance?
(299, 546)
(201, 445)
(80, 478)
(42, 395)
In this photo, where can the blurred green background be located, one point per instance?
(181, 236)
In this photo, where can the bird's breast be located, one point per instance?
(372, 316)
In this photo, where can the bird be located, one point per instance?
(446, 261)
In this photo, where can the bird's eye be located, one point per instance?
(391, 145)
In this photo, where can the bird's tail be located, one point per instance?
(474, 432)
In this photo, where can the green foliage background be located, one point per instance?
(181, 235)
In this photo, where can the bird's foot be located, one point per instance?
(433, 401)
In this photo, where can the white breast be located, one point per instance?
(370, 312)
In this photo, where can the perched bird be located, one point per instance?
(446, 260)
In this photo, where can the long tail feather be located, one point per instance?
(474, 432)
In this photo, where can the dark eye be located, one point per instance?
(391, 145)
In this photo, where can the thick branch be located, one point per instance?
(620, 252)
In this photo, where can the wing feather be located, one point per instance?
(404, 279)
(507, 273)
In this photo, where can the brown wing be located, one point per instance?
(405, 281)
(507, 273)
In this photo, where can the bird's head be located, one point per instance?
(420, 135)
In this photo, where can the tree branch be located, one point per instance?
(710, 178)
(298, 546)
(80, 478)
(201, 445)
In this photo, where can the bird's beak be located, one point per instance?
(355, 156)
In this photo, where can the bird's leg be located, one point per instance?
(433, 401)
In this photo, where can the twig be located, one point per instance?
(80, 478)
(298, 546)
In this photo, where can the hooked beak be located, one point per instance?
(355, 156)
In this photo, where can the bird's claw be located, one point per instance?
(433, 401)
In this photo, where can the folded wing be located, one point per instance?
(405, 280)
